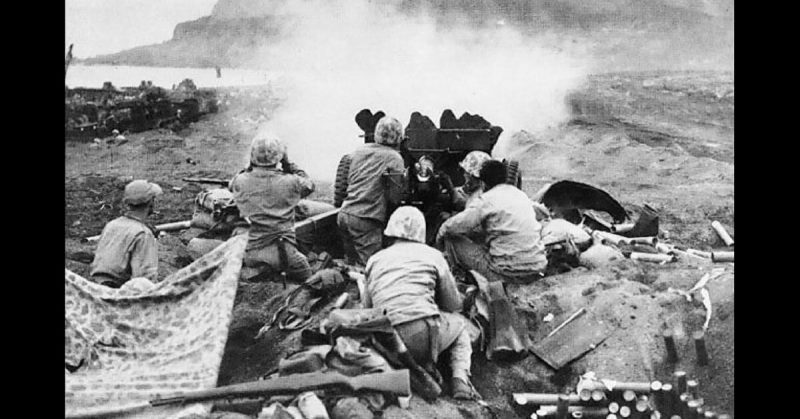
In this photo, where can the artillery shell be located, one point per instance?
(563, 406)
(611, 416)
(692, 387)
(691, 409)
(598, 395)
(653, 257)
(722, 256)
(709, 415)
(624, 412)
(722, 233)
(680, 381)
(650, 241)
(613, 407)
(702, 254)
(655, 386)
(667, 402)
(628, 395)
(669, 343)
(585, 395)
(700, 347)
(622, 228)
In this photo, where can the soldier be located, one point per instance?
(363, 214)
(408, 279)
(127, 247)
(512, 249)
(267, 198)
(472, 188)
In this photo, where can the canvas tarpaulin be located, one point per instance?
(135, 346)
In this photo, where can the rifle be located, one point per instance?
(395, 382)
(177, 225)
(221, 182)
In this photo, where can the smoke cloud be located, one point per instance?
(342, 56)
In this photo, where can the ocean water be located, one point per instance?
(93, 76)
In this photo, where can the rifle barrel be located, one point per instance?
(395, 382)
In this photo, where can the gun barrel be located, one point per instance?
(215, 181)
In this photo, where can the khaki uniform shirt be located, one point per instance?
(411, 281)
(512, 234)
(127, 249)
(266, 198)
(365, 191)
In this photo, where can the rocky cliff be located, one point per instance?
(235, 28)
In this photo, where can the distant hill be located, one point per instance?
(235, 28)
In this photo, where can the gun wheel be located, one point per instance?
(513, 174)
(340, 185)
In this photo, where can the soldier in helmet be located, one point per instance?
(471, 189)
(267, 197)
(363, 214)
(413, 283)
(127, 247)
(510, 247)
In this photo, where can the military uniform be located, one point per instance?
(413, 283)
(127, 249)
(363, 214)
(267, 198)
(512, 249)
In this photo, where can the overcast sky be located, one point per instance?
(104, 26)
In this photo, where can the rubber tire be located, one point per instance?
(340, 185)
(513, 174)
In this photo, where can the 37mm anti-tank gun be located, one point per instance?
(431, 155)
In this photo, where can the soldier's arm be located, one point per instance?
(464, 222)
(144, 257)
(447, 296)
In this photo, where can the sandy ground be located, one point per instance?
(664, 139)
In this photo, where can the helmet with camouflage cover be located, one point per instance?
(389, 131)
(473, 162)
(266, 150)
(407, 223)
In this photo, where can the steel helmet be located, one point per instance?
(389, 131)
(266, 150)
(140, 192)
(473, 162)
(407, 223)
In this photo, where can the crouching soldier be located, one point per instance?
(127, 247)
(511, 249)
(267, 198)
(413, 283)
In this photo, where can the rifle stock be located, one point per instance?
(395, 382)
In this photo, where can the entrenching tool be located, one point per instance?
(569, 319)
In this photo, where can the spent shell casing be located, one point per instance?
(693, 387)
(613, 407)
(700, 347)
(669, 344)
(628, 395)
(679, 381)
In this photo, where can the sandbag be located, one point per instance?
(599, 255)
(198, 247)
